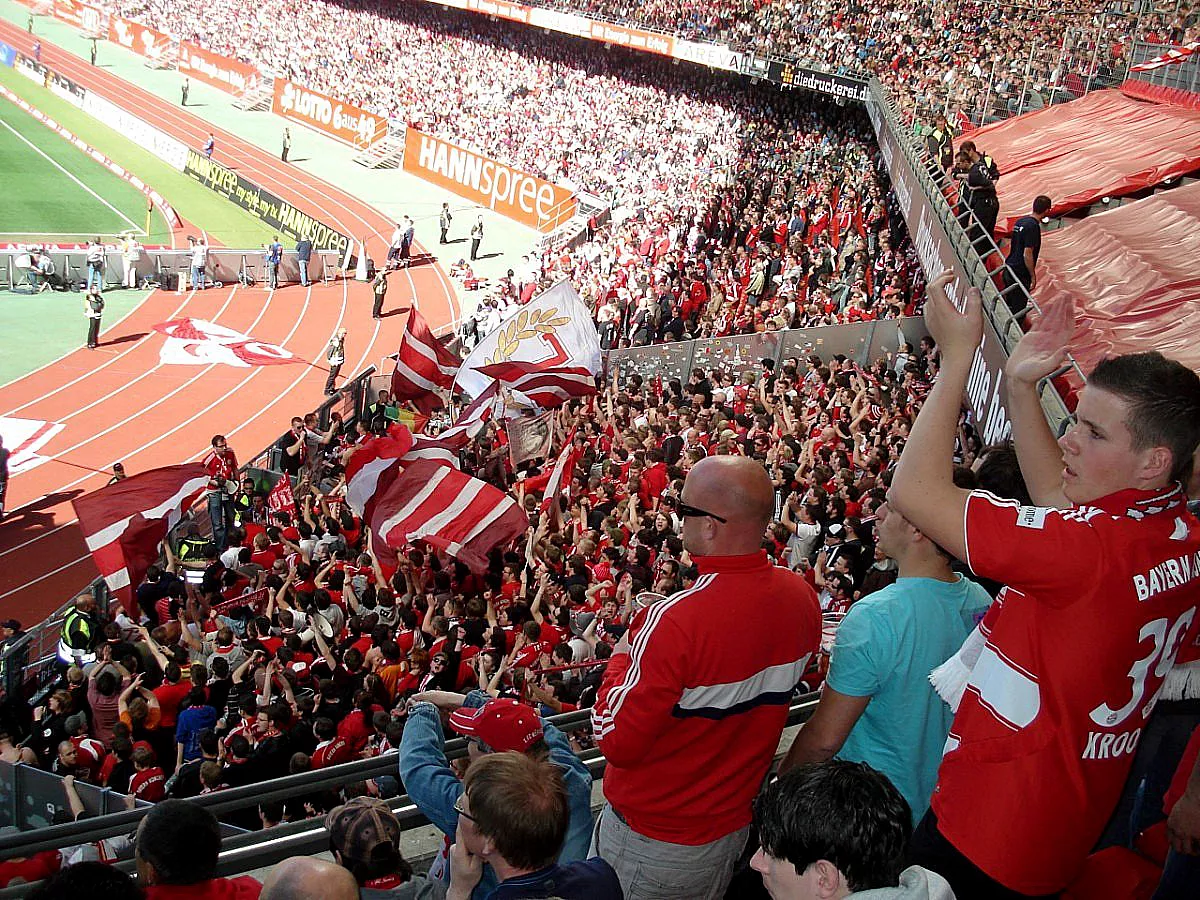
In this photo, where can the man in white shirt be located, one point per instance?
(199, 251)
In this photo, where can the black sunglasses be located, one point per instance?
(688, 511)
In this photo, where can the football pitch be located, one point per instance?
(55, 193)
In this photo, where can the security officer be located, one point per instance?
(80, 633)
(379, 287)
(983, 202)
(335, 353)
(243, 500)
(193, 548)
(940, 143)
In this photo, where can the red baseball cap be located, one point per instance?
(502, 724)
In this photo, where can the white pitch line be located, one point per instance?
(58, 165)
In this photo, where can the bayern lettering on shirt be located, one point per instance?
(1167, 575)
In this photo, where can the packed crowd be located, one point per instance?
(735, 209)
(982, 60)
(289, 646)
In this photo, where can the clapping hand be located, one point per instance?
(1043, 349)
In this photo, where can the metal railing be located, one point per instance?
(258, 849)
(863, 342)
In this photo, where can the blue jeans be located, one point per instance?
(303, 272)
(656, 870)
(197, 278)
(217, 516)
(95, 275)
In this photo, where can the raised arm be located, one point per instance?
(1039, 353)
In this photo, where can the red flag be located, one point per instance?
(281, 499)
(547, 387)
(123, 523)
(560, 475)
(461, 515)
(432, 448)
(422, 365)
(373, 465)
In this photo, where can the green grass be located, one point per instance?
(55, 192)
(223, 221)
(40, 328)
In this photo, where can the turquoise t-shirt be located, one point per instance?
(885, 649)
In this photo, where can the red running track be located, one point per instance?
(120, 403)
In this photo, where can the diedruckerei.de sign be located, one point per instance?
(509, 191)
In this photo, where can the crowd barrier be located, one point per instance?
(863, 342)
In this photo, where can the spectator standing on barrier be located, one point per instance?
(1096, 605)
(274, 258)
(513, 815)
(983, 202)
(199, 260)
(304, 250)
(838, 829)
(95, 263)
(335, 354)
(93, 308)
(1025, 245)
(490, 726)
(176, 851)
(364, 837)
(222, 466)
(476, 237)
(287, 143)
(183, 91)
(379, 288)
(688, 719)
(209, 146)
(444, 220)
(877, 705)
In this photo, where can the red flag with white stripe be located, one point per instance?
(547, 387)
(560, 475)
(373, 466)
(124, 522)
(281, 498)
(1173, 57)
(423, 365)
(460, 515)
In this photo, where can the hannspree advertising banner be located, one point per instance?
(264, 205)
(509, 191)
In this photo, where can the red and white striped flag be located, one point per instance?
(281, 499)
(447, 509)
(1172, 57)
(547, 387)
(423, 365)
(560, 475)
(124, 522)
(373, 466)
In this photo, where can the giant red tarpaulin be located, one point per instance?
(1102, 145)
(1131, 273)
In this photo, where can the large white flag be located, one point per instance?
(552, 331)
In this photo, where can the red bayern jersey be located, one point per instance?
(1099, 601)
(148, 784)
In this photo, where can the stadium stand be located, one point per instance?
(301, 643)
